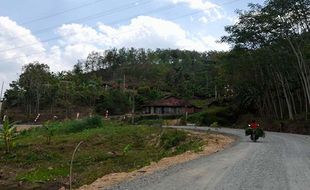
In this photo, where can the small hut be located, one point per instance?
(170, 106)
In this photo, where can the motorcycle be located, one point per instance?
(254, 134)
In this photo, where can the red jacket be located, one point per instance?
(254, 125)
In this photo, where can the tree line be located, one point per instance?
(114, 80)
(270, 59)
(266, 72)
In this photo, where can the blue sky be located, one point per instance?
(73, 28)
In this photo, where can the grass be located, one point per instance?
(108, 147)
(42, 175)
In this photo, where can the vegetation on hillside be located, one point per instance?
(108, 147)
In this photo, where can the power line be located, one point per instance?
(201, 11)
(59, 37)
(70, 34)
(62, 12)
(91, 17)
(229, 2)
(98, 15)
(156, 10)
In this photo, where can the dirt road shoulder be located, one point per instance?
(213, 143)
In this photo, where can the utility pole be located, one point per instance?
(1, 91)
(133, 110)
(124, 83)
(1, 97)
(215, 92)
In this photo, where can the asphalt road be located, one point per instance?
(278, 162)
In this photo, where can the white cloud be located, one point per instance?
(204, 19)
(212, 12)
(213, 42)
(141, 32)
(79, 40)
(11, 58)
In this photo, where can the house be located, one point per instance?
(170, 106)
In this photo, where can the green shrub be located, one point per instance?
(172, 138)
(127, 148)
(74, 126)
(156, 117)
(94, 122)
(7, 134)
(224, 116)
(157, 122)
(193, 145)
(215, 125)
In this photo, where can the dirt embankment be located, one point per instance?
(213, 143)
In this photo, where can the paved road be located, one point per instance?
(278, 162)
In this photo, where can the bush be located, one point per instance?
(215, 125)
(194, 145)
(94, 122)
(74, 126)
(224, 116)
(156, 117)
(173, 138)
(157, 122)
(7, 134)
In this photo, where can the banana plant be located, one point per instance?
(7, 134)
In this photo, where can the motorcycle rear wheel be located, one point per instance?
(254, 137)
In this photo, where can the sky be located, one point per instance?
(60, 32)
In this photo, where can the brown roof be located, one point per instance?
(171, 102)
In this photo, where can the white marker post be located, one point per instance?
(107, 114)
(38, 116)
(77, 116)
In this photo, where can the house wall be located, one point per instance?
(189, 110)
(164, 110)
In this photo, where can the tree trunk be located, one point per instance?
(302, 68)
(287, 99)
(38, 102)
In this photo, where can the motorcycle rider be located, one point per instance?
(254, 131)
(253, 124)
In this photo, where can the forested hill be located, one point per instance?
(111, 79)
(185, 74)
(266, 73)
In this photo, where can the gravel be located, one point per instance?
(278, 162)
